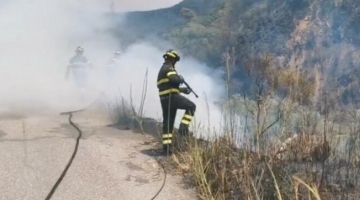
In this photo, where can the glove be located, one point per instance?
(185, 90)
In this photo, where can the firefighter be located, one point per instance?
(79, 65)
(168, 83)
(115, 59)
(112, 69)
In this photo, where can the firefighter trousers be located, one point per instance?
(169, 105)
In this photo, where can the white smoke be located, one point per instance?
(39, 37)
(143, 57)
(138, 5)
(37, 40)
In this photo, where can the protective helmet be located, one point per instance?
(79, 50)
(171, 54)
(117, 53)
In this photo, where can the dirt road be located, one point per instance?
(109, 163)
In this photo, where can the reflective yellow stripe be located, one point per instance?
(169, 91)
(185, 122)
(171, 73)
(172, 54)
(166, 141)
(165, 80)
(167, 135)
(188, 117)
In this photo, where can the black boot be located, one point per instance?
(183, 130)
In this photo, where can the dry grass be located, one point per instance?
(301, 167)
(274, 164)
(220, 171)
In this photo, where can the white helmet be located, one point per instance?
(79, 50)
(117, 53)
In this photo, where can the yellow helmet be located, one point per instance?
(171, 54)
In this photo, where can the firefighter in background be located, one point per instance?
(113, 66)
(115, 59)
(168, 83)
(79, 66)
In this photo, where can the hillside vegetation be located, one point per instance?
(291, 118)
(317, 34)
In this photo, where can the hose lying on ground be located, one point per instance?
(57, 183)
(164, 181)
(69, 163)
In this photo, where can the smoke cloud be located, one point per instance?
(142, 57)
(39, 37)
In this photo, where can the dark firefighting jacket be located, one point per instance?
(168, 81)
(78, 62)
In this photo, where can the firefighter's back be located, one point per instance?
(164, 83)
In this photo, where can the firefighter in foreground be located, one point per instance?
(79, 66)
(168, 83)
